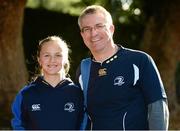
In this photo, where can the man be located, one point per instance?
(124, 91)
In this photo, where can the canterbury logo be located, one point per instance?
(69, 107)
(36, 107)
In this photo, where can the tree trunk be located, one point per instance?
(161, 41)
(13, 72)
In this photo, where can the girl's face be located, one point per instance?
(51, 58)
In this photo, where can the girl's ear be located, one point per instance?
(39, 61)
(65, 66)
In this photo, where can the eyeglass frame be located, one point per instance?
(97, 27)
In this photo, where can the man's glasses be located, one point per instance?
(97, 27)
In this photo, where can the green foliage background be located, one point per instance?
(59, 17)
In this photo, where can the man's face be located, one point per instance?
(96, 32)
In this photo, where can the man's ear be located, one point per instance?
(81, 33)
(112, 29)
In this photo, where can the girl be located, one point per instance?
(52, 101)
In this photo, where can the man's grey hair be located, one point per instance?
(94, 9)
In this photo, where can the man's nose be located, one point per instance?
(93, 31)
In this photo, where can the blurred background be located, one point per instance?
(148, 25)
